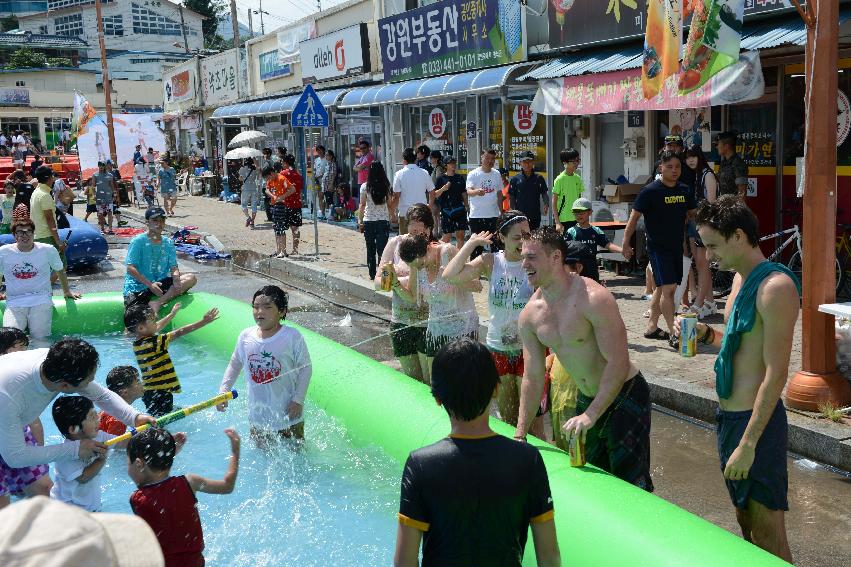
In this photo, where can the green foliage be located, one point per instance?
(8, 23)
(26, 58)
(211, 9)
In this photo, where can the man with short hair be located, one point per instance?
(472, 496)
(567, 187)
(751, 371)
(153, 276)
(666, 205)
(484, 194)
(43, 211)
(674, 143)
(411, 185)
(578, 320)
(104, 184)
(732, 171)
(527, 190)
(362, 165)
(423, 153)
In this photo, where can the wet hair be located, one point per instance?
(568, 154)
(135, 315)
(463, 378)
(278, 296)
(551, 240)
(121, 377)
(268, 170)
(420, 212)
(43, 173)
(70, 411)
(377, 184)
(667, 155)
(154, 446)
(16, 224)
(289, 159)
(412, 247)
(696, 151)
(508, 219)
(408, 155)
(728, 214)
(11, 336)
(70, 360)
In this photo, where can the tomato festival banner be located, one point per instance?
(621, 90)
(452, 36)
(714, 41)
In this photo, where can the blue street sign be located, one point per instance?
(309, 111)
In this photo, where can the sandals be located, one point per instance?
(658, 335)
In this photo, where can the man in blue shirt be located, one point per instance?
(152, 273)
(168, 187)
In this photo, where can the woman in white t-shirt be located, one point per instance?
(374, 214)
(26, 267)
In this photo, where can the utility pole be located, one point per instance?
(183, 28)
(262, 26)
(107, 86)
(235, 23)
(250, 24)
(318, 5)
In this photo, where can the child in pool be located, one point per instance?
(151, 348)
(76, 479)
(278, 370)
(31, 481)
(168, 502)
(124, 381)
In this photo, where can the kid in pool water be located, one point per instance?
(278, 370)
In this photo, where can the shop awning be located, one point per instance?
(791, 31)
(283, 105)
(433, 87)
(584, 62)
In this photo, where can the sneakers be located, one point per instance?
(708, 308)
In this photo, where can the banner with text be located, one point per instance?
(342, 53)
(451, 36)
(218, 78)
(290, 38)
(271, 67)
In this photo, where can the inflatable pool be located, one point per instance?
(87, 246)
(600, 519)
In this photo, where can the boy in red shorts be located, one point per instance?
(124, 381)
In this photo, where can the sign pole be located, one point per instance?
(316, 193)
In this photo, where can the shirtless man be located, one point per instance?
(751, 372)
(578, 320)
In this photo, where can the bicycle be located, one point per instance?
(722, 280)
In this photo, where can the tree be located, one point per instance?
(211, 10)
(8, 23)
(26, 58)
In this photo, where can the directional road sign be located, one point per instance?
(308, 111)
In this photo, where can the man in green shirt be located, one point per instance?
(567, 187)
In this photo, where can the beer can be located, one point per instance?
(386, 280)
(576, 449)
(688, 334)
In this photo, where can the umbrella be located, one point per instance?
(242, 153)
(247, 137)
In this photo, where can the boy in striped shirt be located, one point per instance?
(159, 379)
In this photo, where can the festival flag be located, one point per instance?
(714, 41)
(662, 42)
(83, 113)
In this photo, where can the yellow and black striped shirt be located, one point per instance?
(155, 363)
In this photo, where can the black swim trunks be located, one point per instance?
(768, 478)
(620, 440)
(667, 267)
(453, 220)
(407, 340)
(146, 296)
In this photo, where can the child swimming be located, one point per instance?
(168, 502)
(278, 370)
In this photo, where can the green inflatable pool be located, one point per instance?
(601, 520)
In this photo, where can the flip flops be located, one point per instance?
(658, 335)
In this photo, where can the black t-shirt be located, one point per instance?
(454, 196)
(664, 209)
(590, 238)
(475, 499)
(527, 193)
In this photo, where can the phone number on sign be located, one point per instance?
(459, 63)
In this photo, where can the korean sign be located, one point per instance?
(338, 54)
(762, 6)
(526, 133)
(270, 67)
(14, 96)
(451, 36)
(290, 38)
(179, 83)
(580, 22)
(756, 148)
(218, 77)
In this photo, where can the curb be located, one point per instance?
(819, 440)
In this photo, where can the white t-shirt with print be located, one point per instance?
(66, 486)
(277, 372)
(487, 205)
(27, 274)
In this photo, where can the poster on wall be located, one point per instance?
(526, 133)
(693, 124)
(436, 129)
(270, 67)
(179, 86)
(290, 38)
(218, 78)
(451, 36)
(130, 130)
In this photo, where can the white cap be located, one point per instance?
(40, 532)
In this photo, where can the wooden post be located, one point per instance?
(107, 87)
(818, 380)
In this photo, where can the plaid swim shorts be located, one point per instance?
(14, 481)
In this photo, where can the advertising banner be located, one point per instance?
(621, 90)
(290, 38)
(451, 36)
(270, 67)
(130, 130)
(526, 133)
(14, 96)
(581, 22)
(179, 85)
(218, 78)
(338, 54)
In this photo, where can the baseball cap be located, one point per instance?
(673, 139)
(450, 159)
(41, 532)
(154, 213)
(581, 204)
(527, 156)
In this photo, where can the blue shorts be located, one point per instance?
(768, 479)
(691, 232)
(667, 267)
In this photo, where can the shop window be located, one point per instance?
(494, 128)
(435, 128)
(527, 132)
(71, 25)
(150, 22)
(461, 133)
(756, 126)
